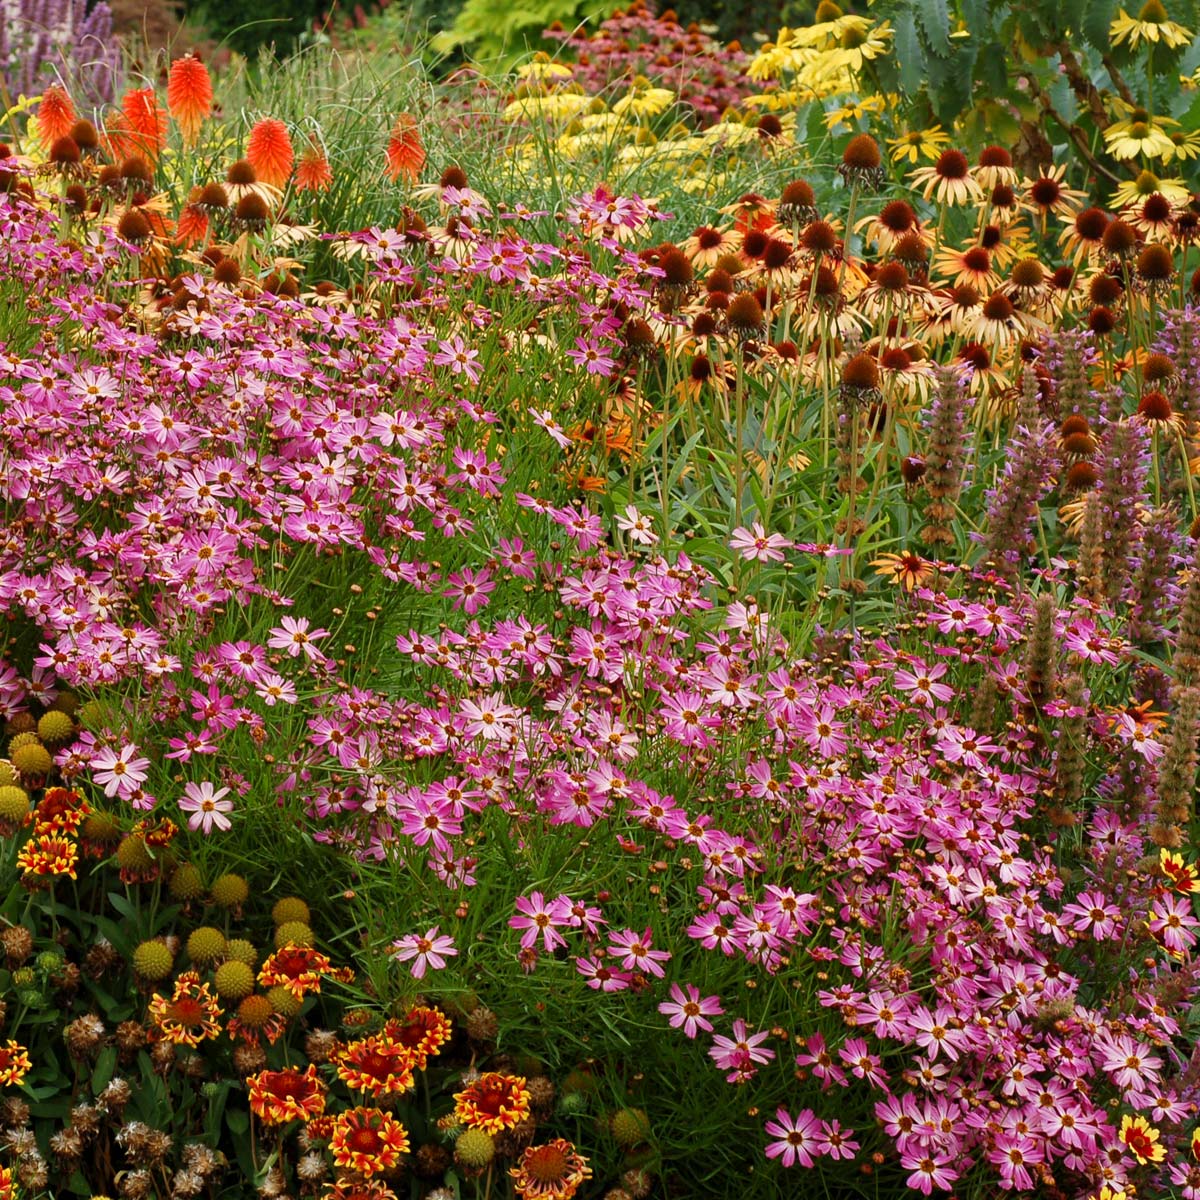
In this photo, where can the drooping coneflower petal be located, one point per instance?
(55, 115)
(146, 121)
(405, 153)
(269, 151)
(313, 173)
(189, 95)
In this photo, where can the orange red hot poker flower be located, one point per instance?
(189, 96)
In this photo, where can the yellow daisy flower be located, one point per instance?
(1134, 191)
(1135, 135)
(919, 143)
(644, 101)
(1152, 25)
(850, 113)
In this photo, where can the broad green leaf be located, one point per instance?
(934, 19)
(910, 54)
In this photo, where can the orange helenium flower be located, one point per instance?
(190, 1015)
(552, 1171)
(189, 96)
(367, 1140)
(14, 1064)
(55, 115)
(376, 1065)
(423, 1032)
(494, 1102)
(313, 173)
(288, 1095)
(405, 153)
(269, 151)
(145, 121)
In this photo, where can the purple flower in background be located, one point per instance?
(42, 41)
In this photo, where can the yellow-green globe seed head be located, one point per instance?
(243, 951)
(101, 826)
(290, 908)
(205, 945)
(234, 980)
(65, 702)
(630, 1127)
(8, 773)
(283, 1002)
(91, 714)
(32, 760)
(186, 883)
(56, 728)
(28, 738)
(294, 933)
(228, 891)
(474, 1149)
(153, 960)
(133, 854)
(14, 804)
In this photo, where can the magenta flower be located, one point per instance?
(294, 636)
(538, 918)
(424, 951)
(688, 1012)
(636, 952)
(797, 1138)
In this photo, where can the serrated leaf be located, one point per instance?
(910, 55)
(1094, 23)
(934, 19)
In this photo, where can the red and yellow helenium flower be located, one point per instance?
(288, 1095)
(494, 1102)
(297, 968)
(14, 1064)
(1182, 875)
(49, 854)
(1142, 1139)
(60, 810)
(367, 1140)
(422, 1031)
(552, 1171)
(376, 1065)
(190, 1015)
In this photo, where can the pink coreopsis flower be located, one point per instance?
(119, 773)
(293, 635)
(639, 528)
(689, 1011)
(757, 543)
(424, 951)
(537, 918)
(636, 953)
(796, 1137)
(206, 807)
(741, 1054)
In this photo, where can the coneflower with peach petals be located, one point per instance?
(189, 96)
(269, 151)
